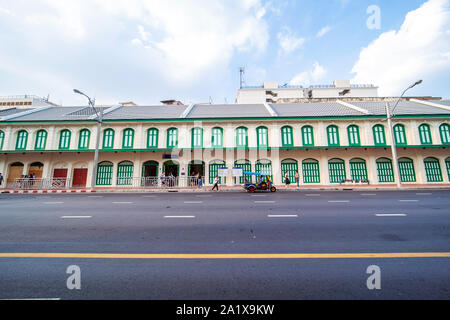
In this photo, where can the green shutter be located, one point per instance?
(433, 170)
(128, 139)
(264, 167)
(152, 138)
(308, 136)
(333, 136)
(41, 140)
(425, 134)
(445, 133)
(197, 138)
(353, 136)
(172, 138)
(358, 170)
(263, 137)
(400, 135)
(22, 139)
(108, 139)
(242, 137)
(214, 171)
(217, 138)
(291, 166)
(407, 171)
(379, 135)
(64, 140)
(287, 137)
(125, 174)
(83, 142)
(311, 171)
(385, 171)
(2, 139)
(337, 171)
(246, 167)
(104, 174)
(447, 163)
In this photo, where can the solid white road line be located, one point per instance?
(312, 195)
(424, 194)
(282, 216)
(339, 201)
(76, 217)
(122, 202)
(95, 196)
(35, 299)
(391, 215)
(264, 201)
(408, 200)
(53, 202)
(368, 194)
(179, 217)
(193, 202)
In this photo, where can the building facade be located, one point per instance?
(327, 143)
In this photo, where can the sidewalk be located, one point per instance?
(291, 188)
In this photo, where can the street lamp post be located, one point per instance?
(389, 114)
(99, 132)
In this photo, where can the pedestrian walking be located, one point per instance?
(1, 179)
(163, 179)
(297, 179)
(199, 180)
(216, 183)
(286, 179)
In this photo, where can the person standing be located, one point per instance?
(297, 179)
(163, 179)
(286, 179)
(216, 183)
(1, 179)
(199, 180)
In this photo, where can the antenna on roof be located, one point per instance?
(242, 73)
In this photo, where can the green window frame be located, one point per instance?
(172, 138)
(400, 135)
(108, 139)
(104, 173)
(447, 164)
(264, 166)
(425, 134)
(217, 137)
(407, 170)
(64, 139)
(152, 138)
(22, 139)
(287, 136)
(444, 130)
(242, 137)
(84, 139)
(433, 170)
(379, 135)
(246, 166)
(128, 139)
(41, 140)
(336, 168)
(125, 173)
(333, 136)
(290, 166)
(308, 136)
(358, 169)
(197, 138)
(385, 170)
(2, 139)
(214, 167)
(262, 137)
(354, 139)
(311, 171)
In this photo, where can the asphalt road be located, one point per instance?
(226, 223)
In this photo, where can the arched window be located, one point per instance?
(287, 136)
(385, 170)
(104, 173)
(125, 173)
(336, 168)
(128, 139)
(400, 135)
(197, 138)
(290, 166)
(353, 136)
(214, 167)
(333, 136)
(217, 138)
(264, 166)
(172, 138)
(263, 137)
(246, 166)
(358, 169)
(447, 163)
(108, 139)
(311, 171)
(407, 172)
(379, 136)
(2, 139)
(433, 170)
(41, 140)
(445, 133)
(152, 138)
(308, 136)
(242, 137)
(84, 139)
(64, 140)
(425, 134)
(22, 139)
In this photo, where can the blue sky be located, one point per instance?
(191, 50)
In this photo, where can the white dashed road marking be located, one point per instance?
(122, 202)
(76, 217)
(312, 195)
(53, 202)
(283, 216)
(391, 215)
(424, 194)
(368, 194)
(408, 200)
(264, 201)
(193, 202)
(339, 201)
(179, 217)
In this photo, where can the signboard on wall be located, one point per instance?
(223, 172)
(238, 172)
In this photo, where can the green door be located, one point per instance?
(311, 171)
(125, 174)
(104, 174)
(433, 170)
(358, 169)
(407, 171)
(385, 171)
(290, 166)
(337, 170)
(264, 167)
(246, 167)
(214, 170)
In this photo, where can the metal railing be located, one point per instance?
(159, 182)
(40, 184)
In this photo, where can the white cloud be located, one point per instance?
(323, 31)
(289, 42)
(317, 73)
(418, 50)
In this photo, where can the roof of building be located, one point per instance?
(229, 111)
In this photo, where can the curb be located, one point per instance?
(46, 191)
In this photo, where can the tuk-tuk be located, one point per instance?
(255, 181)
